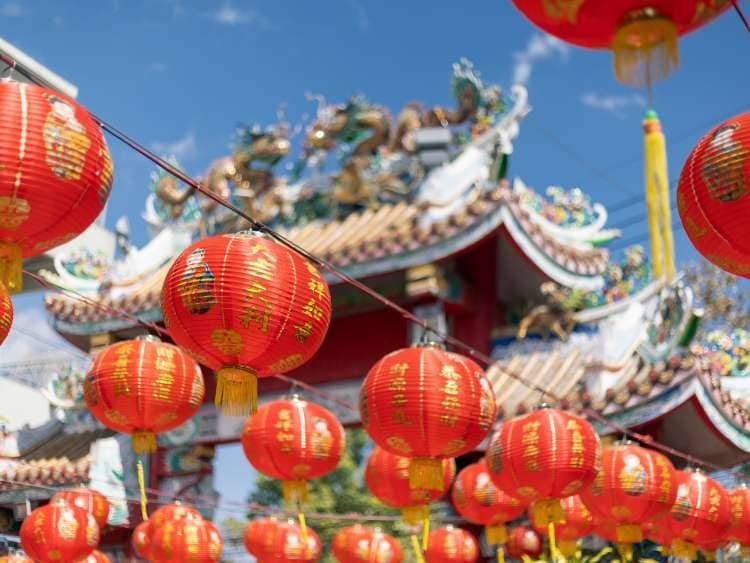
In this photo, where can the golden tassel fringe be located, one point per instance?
(685, 550)
(496, 535)
(417, 549)
(426, 473)
(303, 528)
(11, 266)
(425, 526)
(412, 515)
(567, 548)
(545, 512)
(294, 492)
(500, 554)
(144, 442)
(645, 50)
(142, 490)
(629, 533)
(552, 542)
(236, 391)
(709, 555)
(626, 551)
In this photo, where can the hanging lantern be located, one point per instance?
(633, 485)
(451, 544)
(286, 543)
(712, 195)
(293, 440)
(246, 307)
(385, 548)
(360, 544)
(700, 513)
(387, 478)
(426, 387)
(476, 498)
(542, 457)
(255, 531)
(6, 313)
(523, 541)
(93, 502)
(578, 523)
(95, 556)
(59, 531)
(187, 539)
(739, 517)
(141, 540)
(143, 387)
(56, 174)
(642, 36)
(170, 513)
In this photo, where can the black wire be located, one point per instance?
(737, 9)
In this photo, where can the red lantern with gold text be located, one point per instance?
(187, 539)
(246, 307)
(6, 313)
(170, 513)
(522, 540)
(426, 387)
(56, 174)
(360, 544)
(255, 532)
(642, 35)
(542, 457)
(387, 478)
(739, 517)
(93, 502)
(143, 387)
(578, 523)
(286, 542)
(141, 540)
(700, 513)
(59, 531)
(293, 440)
(96, 556)
(634, 485)
(712, 195)
(451, 544)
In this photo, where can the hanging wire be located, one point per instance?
(741, 14)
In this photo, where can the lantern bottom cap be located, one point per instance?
(567, 548)
(426, 473)
(414, 514)
(236, 391)
(546, 512)
(496, 534)
(629, 533)
(11, 266)
(294, 491)
(144, 442)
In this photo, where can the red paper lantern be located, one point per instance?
(633, 485)
(476, 498)
(712, 195)
(170, 513)
(59, 531)
(578, 523)
(522, 540)
(56, 174)
(700, 513)
(255, 532)
(96, 556)
(544, 456)
(93, 502)
(141, 540)
(187, 539)
(247, 307)
(285, 543)
(360, 544)
(293, 440)
(387, 478)
(6, 313)
(739, 516)
(426, 387)
(450, 544)
(642, 35)
(143, 387)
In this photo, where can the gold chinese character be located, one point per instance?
(449, 372)
(311, 309)
(398, 400)
(259, 315)
(450, 403)
(317, 287)
(400, 368)
(261, 268)
(397, 384)
(449, 420)
(303, 331)
(399, 417)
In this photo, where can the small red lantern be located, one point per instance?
(93, 502)
(293, 440)
(141, 540)
(56, 174)
(451, 544)
(255, 532)
(187, 539)
(578, 523)
(286, 543)
(476, 498)
(739, 516)
(700, 513)
(246, 307)
(633, 485)
(522, 540)
(96, 556)
(6, 313)
(59, 531)
(712, 195)
(544, 456)
(143, 387)
(387, 478)
(360, 544)
(426, 387)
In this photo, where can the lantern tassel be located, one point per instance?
(417, 549)
(142, 490)
(144, 442)
(236, 391)
(11, 266)
(567, 548)
(302, 526)
(645, 50)
(547, 511)
(496, 534)
(629, 533)
(426, 473)
(412, 515)
(500, 554)
(425, 526)
(684, 550)
(626, 551)
(294, 492)
(552, 546)
(710, 555)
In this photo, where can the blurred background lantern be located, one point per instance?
(523, 541)
(95, 556)
(739, 517)
(93, 502)
(187, 539)
(246, 307)
(141, 540)
(6, 313)
(360, 544)
(450, 544)
(286, 543)
(578, 524)
(255, 531)
(170, 513)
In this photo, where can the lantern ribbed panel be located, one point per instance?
(254, 533)
(450, 544)
(476, 498)
(143, 387)
(6, 313)
(284, 543)
(712, 195)
(578, 522)
(96, 556)
(633, 485)
(360, 544)
(700, 513)
(93, 502)
(248, 307)
(141, 540)
(59, 531)
(739, 516)
(187, 539)
(522, 540)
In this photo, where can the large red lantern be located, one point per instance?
(426, 387)
(143, 387)
(476, 498)
(360, 544)
(59, 531)
(286, 543)
(387, 478)
(578, 523)
(633, 485)
(293, 440)
(247, 307)
(451, 544)
(544, 456)
(642, 35)
(522, 540)
(6, 313)
(712, 195)
(187, 539)
(255, 532)
(700, 513)
(56, 174)
(93, 502)
(141, 540)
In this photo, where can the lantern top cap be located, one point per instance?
(625, 442)
(543, 406)
(434, 344)
(148, 338)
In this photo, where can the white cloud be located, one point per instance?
(12, 10)
(229, 15)
(613, 104)
(360, 14)
(538, 48)
(181, 148)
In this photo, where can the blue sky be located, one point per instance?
(180, 75)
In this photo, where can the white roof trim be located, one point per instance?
(46, 76)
